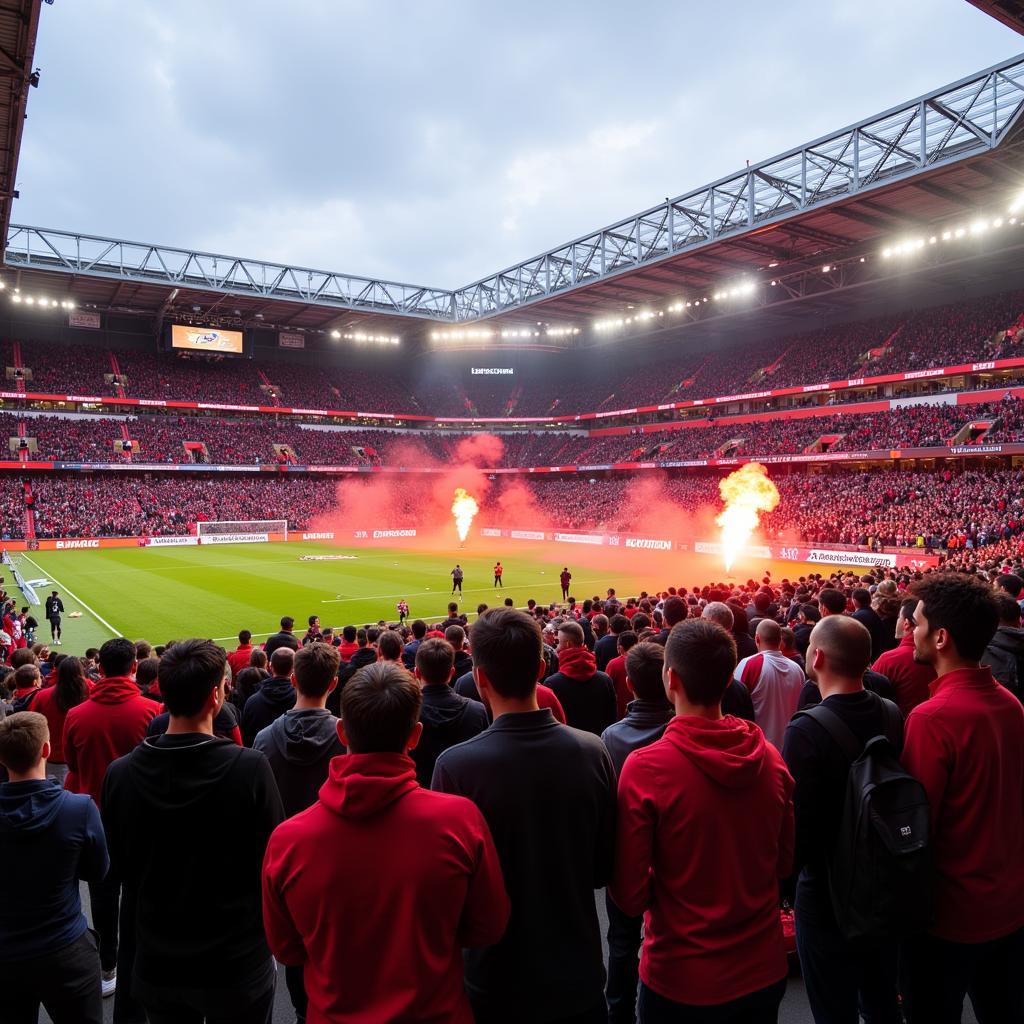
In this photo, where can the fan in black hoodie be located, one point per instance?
(275, 696)
(447, 717)
(176, 810)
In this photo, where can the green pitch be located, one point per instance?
(169, 593)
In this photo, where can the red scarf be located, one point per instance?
(577, 663)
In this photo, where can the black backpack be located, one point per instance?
(880, 871)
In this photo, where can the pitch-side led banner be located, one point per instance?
(170, 542)
(233, 538)
(206, 339)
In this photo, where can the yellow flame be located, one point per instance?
(747, 493)
(464, 508)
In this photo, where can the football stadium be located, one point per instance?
(629, 634)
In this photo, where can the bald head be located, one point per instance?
(768, 635)
(840, 648)
(719, 612)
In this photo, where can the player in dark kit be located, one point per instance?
(54, 608)
(497, 574)
(565, 578)
(457, 579)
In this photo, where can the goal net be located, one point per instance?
(244, 531)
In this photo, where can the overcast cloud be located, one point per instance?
(439, 142)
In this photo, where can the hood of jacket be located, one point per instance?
(1009, 639)
(362, 657)
(114, 690)
(577, 663)
(278, 691)
(27, 807)
(302, 737)
(730, 751)
(362, 785)
(442, 705)
(174, 772)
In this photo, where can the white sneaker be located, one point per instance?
(108, 982)
(59, 644)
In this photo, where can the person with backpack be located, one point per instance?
(841, 974)
(966, 745)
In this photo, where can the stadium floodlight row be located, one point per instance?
(949, 126)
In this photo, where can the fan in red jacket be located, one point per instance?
(966, 746)
(705, 832)
(110, 724)
(412, 876)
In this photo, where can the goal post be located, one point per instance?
(243, 531)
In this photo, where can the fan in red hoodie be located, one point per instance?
(385, 945)
(965, 744)
(705, 832)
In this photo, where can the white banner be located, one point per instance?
(826, 557)
(579, 538)
(490, 531)
(171, 542)
(378, 534)
(649, 543)
(527, 534)
(233, 538)
(327, 535)
(79, 318)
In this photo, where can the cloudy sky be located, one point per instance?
(437, 142)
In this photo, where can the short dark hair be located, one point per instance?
(188, 672)
(435, 659)
(419, 630)
(117, 657)
(861, 597)
(509, 603)
(1011, 583)
(626, 639)
(380, 705)
(282, 661)
(287, 622)
(146, 672)
(907, 609)
(832, 601)
(573, 630)
(361, 637)
(703, 655)
(22, 736)
(349, 634)
(618, 624)
(26, 677)
(258, 658)
(389, 644)
(456, 636)
(23, 656)
(315, 669)
(508, 646)
(964, 607)
(644, 663)
(674, 610)
(811, 612)
(244, 636)
(453, 608)
(1009, 610)
(143, 649)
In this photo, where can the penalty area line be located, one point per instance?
(67, 590)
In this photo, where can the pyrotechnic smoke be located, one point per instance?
(747, 493)
(464, 509)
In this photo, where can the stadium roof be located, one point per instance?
(19, 23)
(832, 203)
(1009, 12)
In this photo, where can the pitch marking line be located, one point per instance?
(67, 590)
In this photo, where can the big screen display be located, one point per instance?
(206, 339)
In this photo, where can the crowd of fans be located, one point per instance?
(963, 332)
(174, 439)
(697, 757)
(942, 511)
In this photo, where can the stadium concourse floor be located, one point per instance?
(794, 1007)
